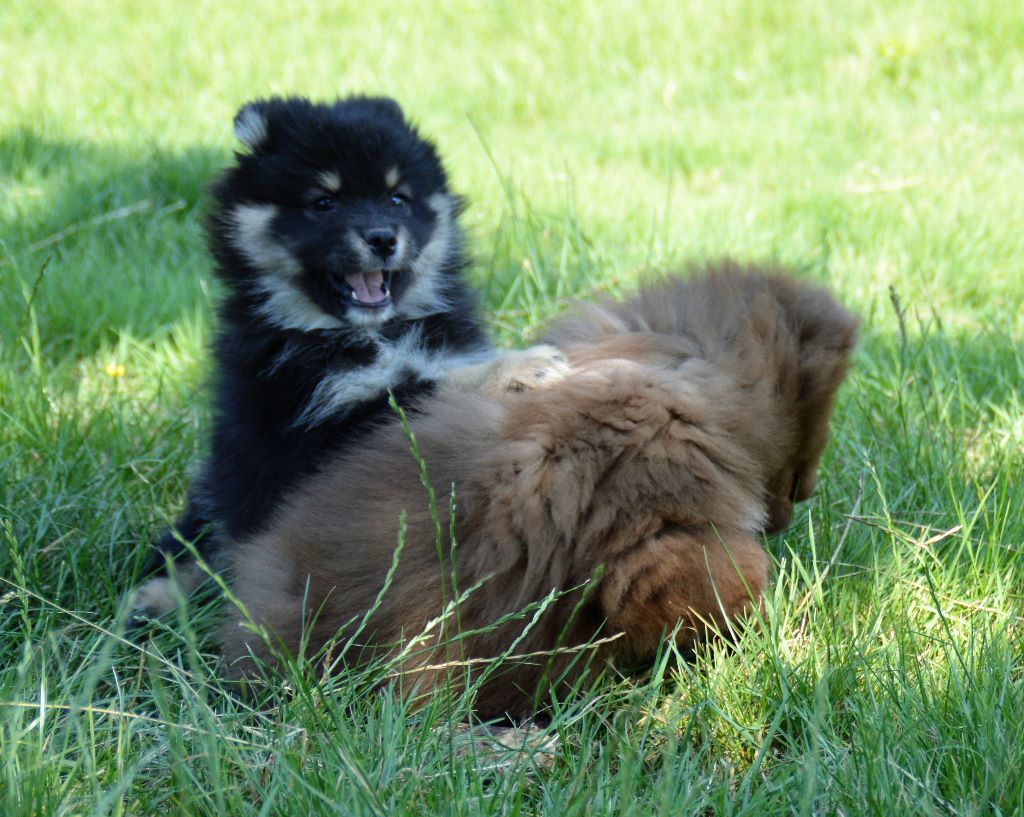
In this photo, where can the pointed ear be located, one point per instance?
(387, 106)
(828, 336)
(252, 128)
(378, 106)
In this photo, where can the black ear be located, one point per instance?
(378, 106)
(387, 107)
(252, 124)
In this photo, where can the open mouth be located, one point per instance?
(368, 290)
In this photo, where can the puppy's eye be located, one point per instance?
(399, 199)
(324, 204)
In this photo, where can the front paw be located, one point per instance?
(159, 595)
(526, 370)
(152, 599)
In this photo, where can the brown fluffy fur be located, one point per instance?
(636, 486)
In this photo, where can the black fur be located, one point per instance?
(290, 323)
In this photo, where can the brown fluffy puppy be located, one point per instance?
(635, 488)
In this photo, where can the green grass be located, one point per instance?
(877, 146)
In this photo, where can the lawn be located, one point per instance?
(876, 147)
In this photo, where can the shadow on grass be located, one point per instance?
(99, 239)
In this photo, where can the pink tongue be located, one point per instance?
(368, 286)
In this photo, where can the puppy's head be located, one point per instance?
(826, 334)
(335, 215)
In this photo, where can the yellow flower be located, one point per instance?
(114, 369)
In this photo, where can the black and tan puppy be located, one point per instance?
(335, 236)
(635, 488)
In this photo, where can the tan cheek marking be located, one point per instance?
(252, 238)
(251, 220)
(443, 207)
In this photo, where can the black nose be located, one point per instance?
(382, 241)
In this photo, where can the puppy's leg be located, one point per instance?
(512, 371)
(160, 594)
(157, 595)
(194, 526)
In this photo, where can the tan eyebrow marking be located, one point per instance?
(391, 177)
(330, 180)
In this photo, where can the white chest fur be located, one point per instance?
(398, 361)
